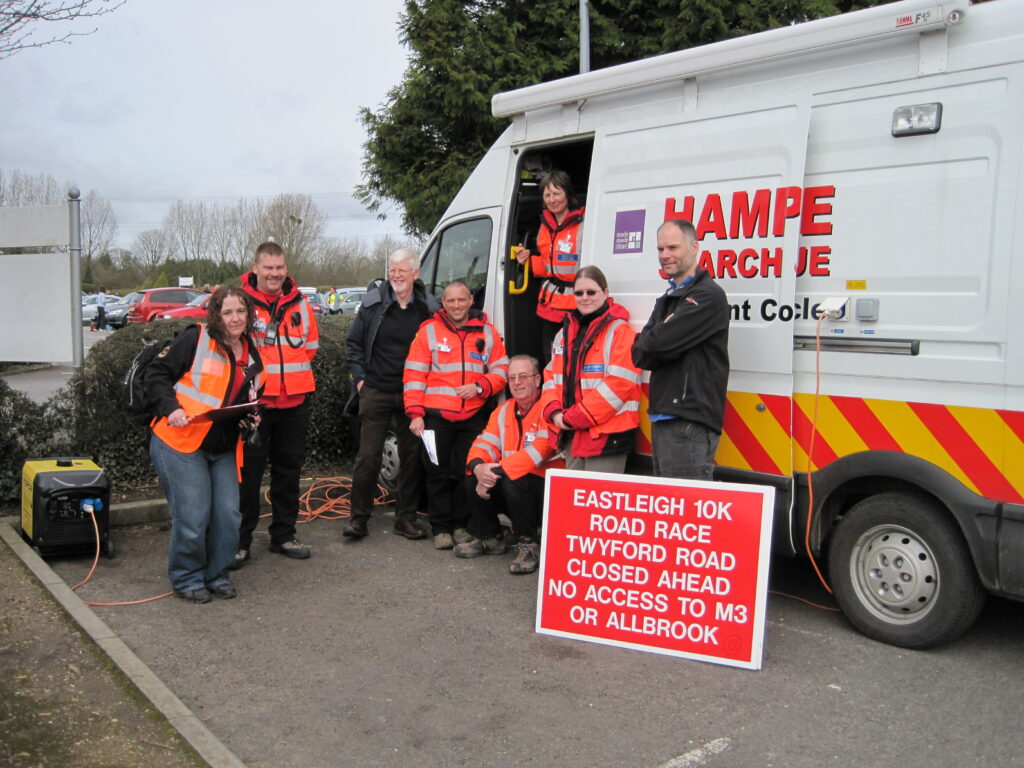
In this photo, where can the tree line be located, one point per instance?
(211, 242)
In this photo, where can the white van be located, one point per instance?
(873, 160)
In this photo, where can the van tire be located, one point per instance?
(389, 464)
(902, 573)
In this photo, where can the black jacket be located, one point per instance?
(363, 330)
(688, 356)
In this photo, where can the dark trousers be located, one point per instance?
(282, 442)
(101, 317)
(376, 410)
(447, 508)
(683, 449)
(522, 500)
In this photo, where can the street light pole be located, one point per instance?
(584, 37)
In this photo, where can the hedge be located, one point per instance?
(84, 417)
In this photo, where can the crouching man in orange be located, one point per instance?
(505, 471)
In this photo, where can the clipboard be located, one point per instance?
(227, 412)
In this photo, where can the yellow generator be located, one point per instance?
(59, 498)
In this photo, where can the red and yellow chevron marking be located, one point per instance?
(983, 448)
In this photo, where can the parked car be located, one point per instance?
(118, 311)
(319, 303)
(351, 300)
(89, 307)
(156, 300)
(195, 308)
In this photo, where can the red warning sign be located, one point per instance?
(671, 566)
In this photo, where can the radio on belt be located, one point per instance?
(59, 498)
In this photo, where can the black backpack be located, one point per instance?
(133, 392)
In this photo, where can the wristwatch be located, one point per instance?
(479, 389)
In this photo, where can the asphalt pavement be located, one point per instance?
(386, 652)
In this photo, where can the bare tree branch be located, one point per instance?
(19, 20)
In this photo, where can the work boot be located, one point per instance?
(476, 547)
(240, 558)
(356, 528)
(409, 529)
(292, 549)
(462, 536)
(198, 595)
(526, 557)
(443, 541)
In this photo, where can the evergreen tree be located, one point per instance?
(436, 124)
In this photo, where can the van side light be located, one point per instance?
(917, 119)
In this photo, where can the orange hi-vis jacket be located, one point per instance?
(204, 386)
(443, 358)
(287, 336)
(557, 259)
(519, 443)
(592, 381)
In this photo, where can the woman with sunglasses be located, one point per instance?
(591, 387)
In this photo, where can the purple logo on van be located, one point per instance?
(629, 232)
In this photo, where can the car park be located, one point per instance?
(89, 306)
(156, 300)
(195, 308)
(118, 311)
(351, 300)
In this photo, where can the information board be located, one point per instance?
(658, 564)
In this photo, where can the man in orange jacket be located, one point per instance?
(507, 464)
(456, 363)
(288, 338)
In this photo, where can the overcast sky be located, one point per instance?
(207, 100)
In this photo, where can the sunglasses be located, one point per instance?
(590, 292)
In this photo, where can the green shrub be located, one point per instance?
(84, 418)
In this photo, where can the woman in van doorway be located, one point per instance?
(591, 387)
(556, 255)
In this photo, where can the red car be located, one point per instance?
(195, 308)
(158, 300)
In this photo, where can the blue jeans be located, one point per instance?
(683, 449)
(202, 491)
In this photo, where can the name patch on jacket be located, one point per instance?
(479, 356)
(594, 368)
(565, 257)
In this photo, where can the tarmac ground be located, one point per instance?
(386, 652)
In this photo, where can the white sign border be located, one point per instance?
(763, 558)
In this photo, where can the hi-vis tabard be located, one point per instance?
(203, 387)
(558, 260)
(443, 358)
(520, 446)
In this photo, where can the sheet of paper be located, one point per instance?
(430, 443)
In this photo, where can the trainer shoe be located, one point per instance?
(443, 541)
(291, 549)
(526, 557)
(199, 595)
(477, 547)
(462, 536)
(240, 558)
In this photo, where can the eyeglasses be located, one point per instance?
(400, 271)
(517, 377)
(590, 292)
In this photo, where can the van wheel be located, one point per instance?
(902, 572)
(389, 467)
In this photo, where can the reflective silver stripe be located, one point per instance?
(313, 344)
(297, 367)
(549, 385)
(534, 454)
(415, 385)
(272, 368)
(623, 373)
(453, 367)
(205, 352)
(501, 425)
(449, 391)
(411, 365)
(609, 396)
(490, 439)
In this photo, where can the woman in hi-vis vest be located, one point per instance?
(557, 252)
(197, 444)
